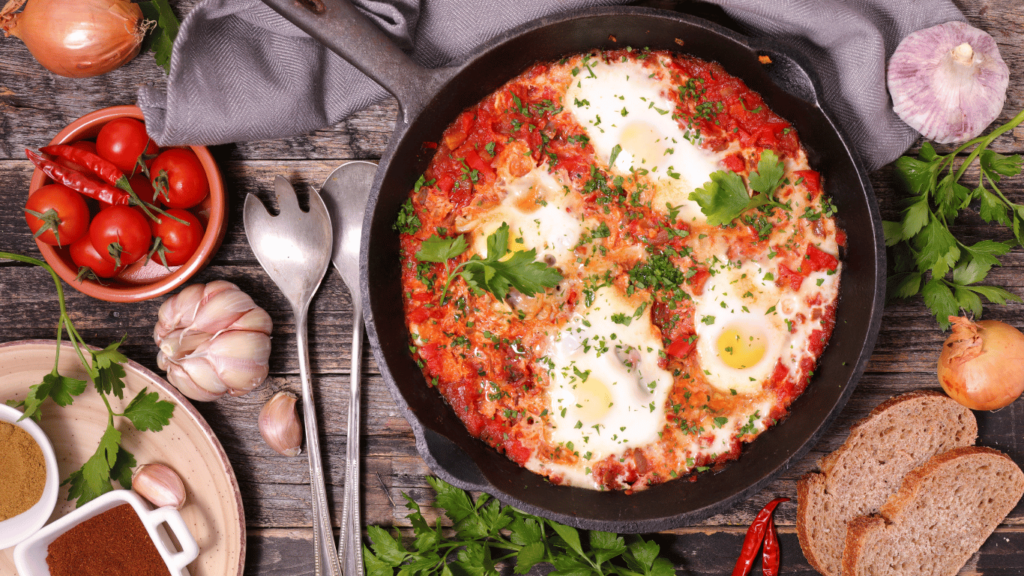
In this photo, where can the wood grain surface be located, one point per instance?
(35, 105)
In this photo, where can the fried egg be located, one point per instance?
(539, 213)
(606, 391)
(632, 125)
(741, 331)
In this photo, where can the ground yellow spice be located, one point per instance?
(22, 471)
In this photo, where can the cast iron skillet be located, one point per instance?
(431, 99)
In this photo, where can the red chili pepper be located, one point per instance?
(770, 551)
(755, 535)
(105, 169)
(79, 182)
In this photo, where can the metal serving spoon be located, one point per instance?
(294, 248)
(346, 192)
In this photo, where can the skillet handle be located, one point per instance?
(339, 26)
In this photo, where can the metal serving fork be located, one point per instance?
(345, 192)
(295, 249)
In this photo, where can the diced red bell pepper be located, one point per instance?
(735, 162)
(789, 278)
(474, 161)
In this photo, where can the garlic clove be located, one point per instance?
(160, 485)
(948, 82)
(181, 380)
(241, 358)
(279, 425)
(172, 314)
(255, 320)
(221, 310)
(178, 344)
(203, 374)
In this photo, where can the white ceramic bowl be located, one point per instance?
(14, 530)
(30, 555)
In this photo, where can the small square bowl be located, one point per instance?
(30, 555)
(18, 528)
(139, 281)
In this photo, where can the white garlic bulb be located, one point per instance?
(948, 82)
(213, 340)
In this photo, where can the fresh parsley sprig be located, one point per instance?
(492, 273)
(487, 533)
(146, 411)
(725, 197)
(927, 258)
(165, 30)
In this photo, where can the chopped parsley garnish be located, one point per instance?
(407, 222)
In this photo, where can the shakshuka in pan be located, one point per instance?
(619, 267)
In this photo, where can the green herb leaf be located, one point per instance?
(939, 298)
(996, 165)
(437, 249)
(615, 154)
(769, 175)
(149, 412)
(722, 199)
(161, 40)
(407, 222)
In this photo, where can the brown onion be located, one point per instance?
(981, 364)
(77, 38)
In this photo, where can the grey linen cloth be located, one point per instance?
(239, 71)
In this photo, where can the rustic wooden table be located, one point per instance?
(35, 105)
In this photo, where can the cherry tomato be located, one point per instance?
(123, 141)
(57, 215)
(120, 234)
(179, 179)
(84, 254)
(177, 241)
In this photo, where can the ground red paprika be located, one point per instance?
(114, 543)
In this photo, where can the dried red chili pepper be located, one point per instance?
(79, 182)
(755, 535)
(91, 188)
(770, 551)
(105, 169)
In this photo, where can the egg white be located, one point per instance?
(540, 216)
(621, 104)
(606, 391)
(740, 302)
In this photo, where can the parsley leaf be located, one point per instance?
(479, 543)
(927, 258)
(161, 40)
(148, 411)
(724, 198)
(495, 273)
(437, 249)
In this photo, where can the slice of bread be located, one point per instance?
(899, 435)
(943, 513)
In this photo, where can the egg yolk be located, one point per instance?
(644, 143)
(593, 399)
(741, 347)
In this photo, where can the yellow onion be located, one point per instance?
(213, 340)
(980, 364)
(77, 38)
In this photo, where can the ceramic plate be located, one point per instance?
(213, 509)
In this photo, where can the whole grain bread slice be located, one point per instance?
(941, 515)
(899, 435)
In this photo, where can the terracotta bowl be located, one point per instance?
(140, 281)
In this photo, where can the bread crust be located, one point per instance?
(812, 485)
(860, 529)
